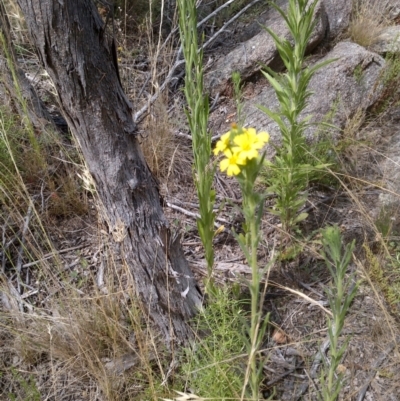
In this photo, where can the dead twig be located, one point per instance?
(195, 215)
(139, 115)
(52, 254)
(16, 298)
(304, 296)
(234, 18)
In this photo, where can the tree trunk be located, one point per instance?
(72, 46)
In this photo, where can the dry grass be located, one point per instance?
(67, 197)
(166, 155)
(153, 48)
(369, 18)
(88, 338)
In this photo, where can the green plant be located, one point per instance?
(29, 390)
(340, 296)
(289, 172)
(358, 73)
(384, 271)
(390, 79)
(392, 70)
(213, 365)
(385, 221)
(197, 115)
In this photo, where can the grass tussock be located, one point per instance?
(98, 340)
(19, 158)
(368, 21)
(33, 169)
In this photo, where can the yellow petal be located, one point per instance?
(263, 136)
(224, 164)
(251, 131)
(233, 169)
(222, 144)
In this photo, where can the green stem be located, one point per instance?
(254, 289)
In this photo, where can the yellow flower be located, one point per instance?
(247, 144)
(223, 143)
(231, 163)
(262, 138)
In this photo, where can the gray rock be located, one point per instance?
(388, 167)
(338, 14)
(248, 56)
(339, 89)
(387, 41)
(389, 197)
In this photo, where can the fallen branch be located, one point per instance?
(313, 372)
(375, 366)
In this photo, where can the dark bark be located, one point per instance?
(71, 44)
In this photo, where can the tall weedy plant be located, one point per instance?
(289, 173)
(197, 115)
(241, 158)
(340, 296)
(240, 148)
